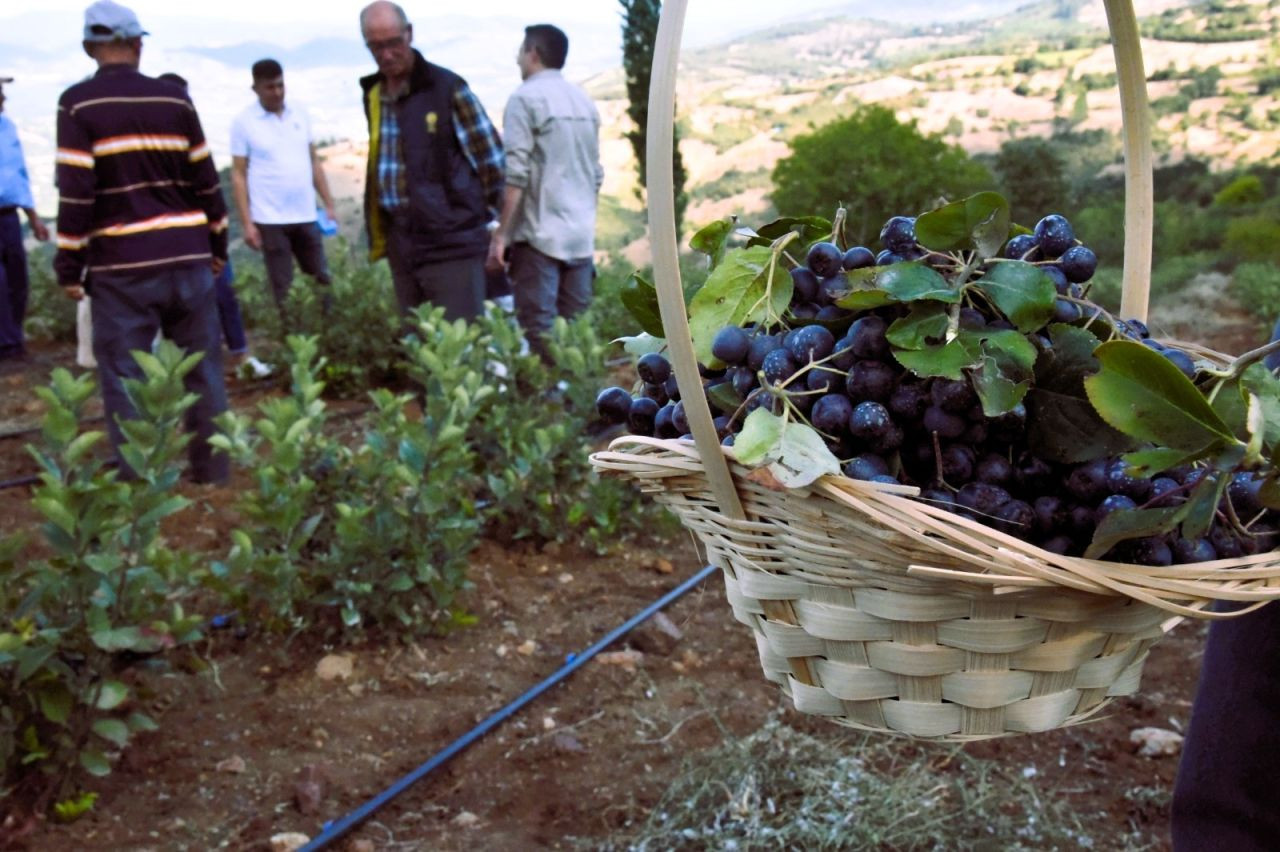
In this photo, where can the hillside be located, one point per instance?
(1047, 66)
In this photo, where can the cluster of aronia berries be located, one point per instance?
(835, 368)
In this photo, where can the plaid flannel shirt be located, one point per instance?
(476, 135)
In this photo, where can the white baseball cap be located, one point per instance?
(106, 21)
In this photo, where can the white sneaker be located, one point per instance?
(252, 368)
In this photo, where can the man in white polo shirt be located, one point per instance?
(275, 177)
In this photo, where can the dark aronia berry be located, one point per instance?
(731, 345)
(858, 257)
(1054, 235)
(865, 466)
(1079, 263)
(899, 234)
(640, 417)
(613, 404)
(778, 366)
(653, 368)
(1021, 247)
(824, 259)
(804, 285)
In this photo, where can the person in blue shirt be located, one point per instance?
(15, 195)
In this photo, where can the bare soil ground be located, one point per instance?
(255, 742)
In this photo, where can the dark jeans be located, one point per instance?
(456, 285)
(229, 312)
(128, 309)
(546, 288)
(13, 285)
(1225, 795)
(281, 244)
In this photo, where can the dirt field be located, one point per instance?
(257, 739)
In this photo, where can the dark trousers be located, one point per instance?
(281, 244)
(128, 309)
(456, 285)
(13, 285)
(546, 288)
(229, 312)
(1225, 794)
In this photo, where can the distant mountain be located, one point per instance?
(317, 53)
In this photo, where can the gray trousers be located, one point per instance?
(456, 285)
(546, 288)
(281, 244)
(128, 309)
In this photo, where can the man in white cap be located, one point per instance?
(15, 195)
(142, 225)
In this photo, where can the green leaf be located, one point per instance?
(738, 291)
(350, 616)
(117, 639)
(1141, 393)
(947, 361)
(723, 397)
(915, 281)
(758, 440)
(864, 300)
(710, 240)
(640, 298)
(1265, 385)
(139, 722)
(1147, 463)
(70, 810)
(641, 344)
(999, 393)
(1124, 524)
(1062, 425)
(980, 222)
(1011, 349)
(1021, 291)
(113, 731)
(30, 658)
(810, 228)
(803, 456)
(925, 325)
(112, 694)
(56, 702)
(1202, 505)
(95, 762)
(401, 582)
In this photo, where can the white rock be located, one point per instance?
(335, 666)
(289, 841)
(234, 764)
(466, 819)
(1156, 742)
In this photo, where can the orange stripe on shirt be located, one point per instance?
(140, 142)
(156, 223)
(70, 243)
(198, 153)
(72, 157)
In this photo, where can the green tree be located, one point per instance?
(1033, 178)
(639, 32)
(875, 166)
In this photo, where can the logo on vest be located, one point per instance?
(432, 121)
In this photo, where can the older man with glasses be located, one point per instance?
(434, 177)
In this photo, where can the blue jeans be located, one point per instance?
(128, 309)
(1225, 797)
(546, 288)
(229, 312)
(13, 285)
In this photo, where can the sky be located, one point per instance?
(296, 20)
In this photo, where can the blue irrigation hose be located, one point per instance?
(336, 829)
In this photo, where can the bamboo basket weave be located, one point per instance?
(885, 613)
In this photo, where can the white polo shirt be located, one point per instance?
(278, 148)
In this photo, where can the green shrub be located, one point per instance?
(343, 537)
(1257, 287)
(1171, 274)
(1243, 191)
(1253, 238)
(50, 314)
(110, 587)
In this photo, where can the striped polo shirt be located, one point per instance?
(137, 187)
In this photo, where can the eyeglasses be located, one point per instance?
(386, 44)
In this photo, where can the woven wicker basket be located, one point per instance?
(887, 614)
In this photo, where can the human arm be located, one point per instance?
(517, 123)
(321, 184)
(76, 182)
(480, 144)
(203, 176)
(240, 192)
(38, 228)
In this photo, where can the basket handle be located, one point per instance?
(660, 191)
(1139, 207)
